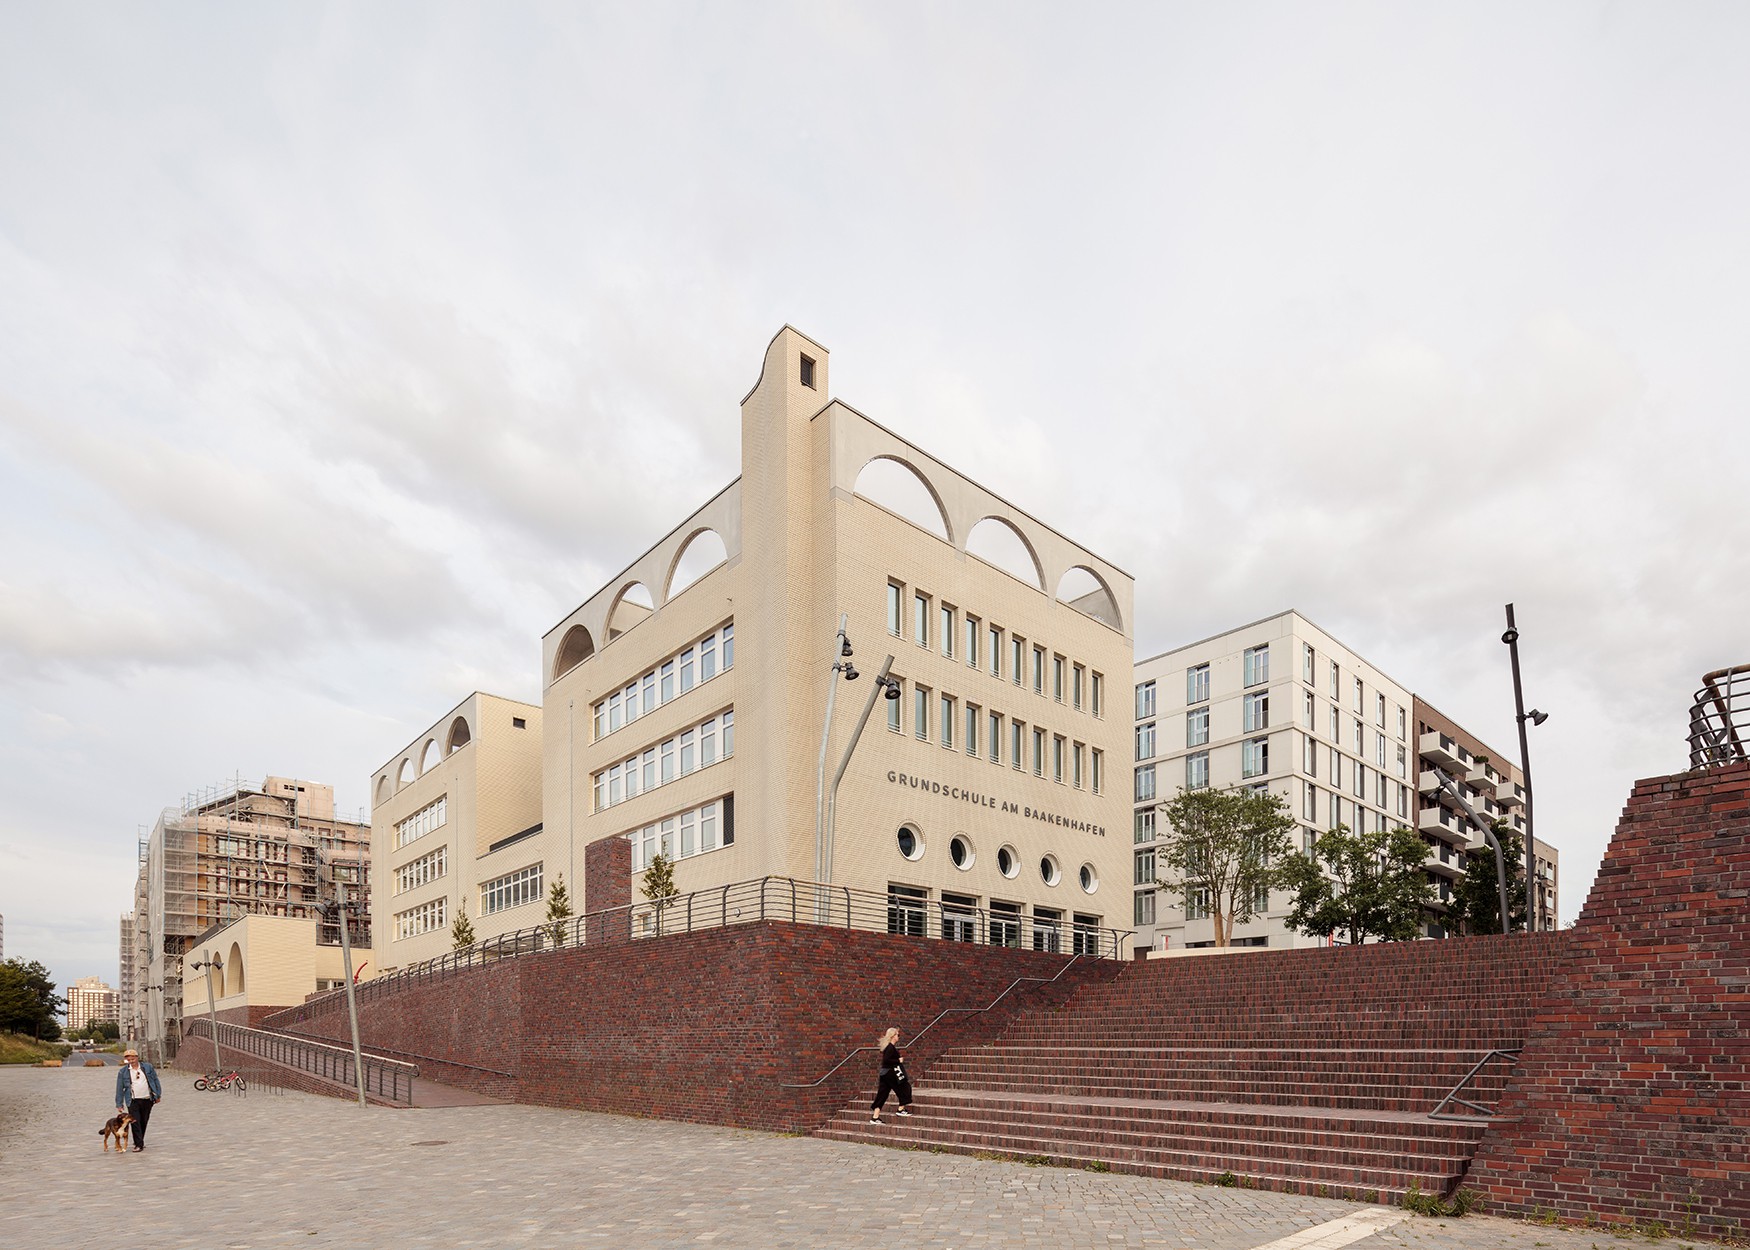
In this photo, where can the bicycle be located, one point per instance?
(216, 1081)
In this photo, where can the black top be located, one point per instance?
(890, 1056)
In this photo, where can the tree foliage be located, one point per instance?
(1476, 899)
(1226, 846)
(28, 1002)
(1361, 885)
(558, 910)
(462, 932)
(659, 884)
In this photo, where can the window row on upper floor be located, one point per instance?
(696, 663)
(1255, 671)
(422, 822)
(984, 645)
(960, 724)
(700, 746)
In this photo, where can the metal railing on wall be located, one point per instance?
(1719, 719)
(747, 902)
(389, 1079)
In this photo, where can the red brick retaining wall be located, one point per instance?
(1633, 1095)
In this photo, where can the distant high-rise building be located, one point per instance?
(1280, 705)
(126, 993)
(89, 1000)
(276, 850)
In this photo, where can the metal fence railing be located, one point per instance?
(1719, 719)
(766, 898)
(389, 1079)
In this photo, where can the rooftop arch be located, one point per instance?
(383, 787)
(906, 491)
(459, 735)
(576, 647)
(997, 541)
(1087, 592)
(406, 773)
(632, 607)
(233, 971)
(702, 551)
(428, 755)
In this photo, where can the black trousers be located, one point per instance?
(891, 1084)
(141, 1110)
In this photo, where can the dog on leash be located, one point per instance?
(116, 1127)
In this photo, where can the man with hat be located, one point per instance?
(137, 1091)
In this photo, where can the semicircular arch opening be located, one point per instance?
(997, 542)
(703, 552)
(904, 491)
(428, 756)
(234, 971)
(1084, 590)
(632, 608)
(459, 735)
(576, 647)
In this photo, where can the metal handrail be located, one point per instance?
(745, 902)
(1719, 718)
(1483, 1113)
(390, 1079)
(972, 1011)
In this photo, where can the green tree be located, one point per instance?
(558, 910)
(1226, 848)
(659, 884)
(28, 1002)
(462, 932)
(1361, 885)
(1476, 898)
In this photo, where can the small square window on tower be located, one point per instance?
(808, 371)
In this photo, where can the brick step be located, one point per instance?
(1311, 1035)
(1368, 1166)
(1355, 1098)
(1341, 1066)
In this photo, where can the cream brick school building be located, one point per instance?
(683, 706)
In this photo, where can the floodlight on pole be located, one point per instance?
(1511, 638)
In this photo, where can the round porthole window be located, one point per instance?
(1049, 871)
(911, 842)
(960, 851)
(1007, 863)
(1090, 879)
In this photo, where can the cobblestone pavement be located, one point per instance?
(285, 1169)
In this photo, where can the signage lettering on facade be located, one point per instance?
(978, 798)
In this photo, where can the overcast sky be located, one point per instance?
(344, 349)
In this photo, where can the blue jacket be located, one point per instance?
(124, 1084)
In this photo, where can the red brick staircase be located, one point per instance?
(1304, 1070)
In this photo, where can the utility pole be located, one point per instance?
(212, 1010)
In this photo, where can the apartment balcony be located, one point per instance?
(1428, 782)
(1446, 862)
(1439, 749)
(1482, 776)
(1440, 822)
(1509, 793)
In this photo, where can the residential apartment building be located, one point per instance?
(90, 1000)
(279, 849)
(457, 830)
(1281, 705)
(684, 703)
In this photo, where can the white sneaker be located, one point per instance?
(902, 1111)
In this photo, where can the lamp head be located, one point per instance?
(892, 688)
(845, 646)
(1536, 717)
(1510, 637)
(850, 671)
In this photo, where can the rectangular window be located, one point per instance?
(1403, 763)
(515, 889)
(1145, 700)
(1077, 752)
(1145, 868)
(1057, 678)
(893, 710)
(1197, 770)
(616, 712)
(920, 715)
(973, 626)
(1005, 923)
(1197, 684)
(994, 736)
(1335, 679)
(666, 771)
(427, 868)
(1360, 741)
(1400, 724)
(1306, 663)
(894, 622)
(1254, 757)
(1017, 653)
(1144, 827)
(1197, 726)
(1336, 724)
(1057, 759)
(1310, 804)
(906, 907)
(1016, 759)
(973, 716)
(1379, 749)
(686, 670)
(920, 620)
(1145, 742)
(1360, 780)
(1096, 690)
(1256, 663)
(1047, 929)
(689, 741)
(1255, 710)
(1144, 912)
(1309, 755)
(1197, 904)
(1038, 670)
(1359, 695)
(1308, 707)
(1336, 769)
(667, 681)
(1403, 800)
(707, 659)
(1038, 752)
(1078, 675)
(1099, 759)
(947, 722)
(1379, 710)
(422, 822)
(947, 629)
(994, 647)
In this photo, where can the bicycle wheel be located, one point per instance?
(200, 1082)
(240, 1086)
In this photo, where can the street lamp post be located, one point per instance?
(882, 685)
(1511, 638)
(212, 1011)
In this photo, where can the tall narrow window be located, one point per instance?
(1097, 691)
(1017, 656)
(1197, 684)
(947, 721)
(1145, 784)
(894, 625)
(1077, 676)
(1016, 755)
(1145, 742)
(1254, 757)
(892, 713)
(920, 619)
(1038, 670)
(920, 714)
(1255, 710)
(1057, 758)
(1197, 770)
(994, 648)
(1145, 700)
(947, 629)
(1256, 664)
(1057, 678)
(994, 736)
(1197, 726)
(1379, 710)
(1099, 760)
(1077, 752)
(1306, 663)
(973, 715)
(1335, 678)
(1038, 752)
(973, 628)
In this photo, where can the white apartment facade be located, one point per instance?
(1281, 705)
(90, 1000)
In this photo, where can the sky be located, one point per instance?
(344, 349)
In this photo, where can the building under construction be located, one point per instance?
(231, 851)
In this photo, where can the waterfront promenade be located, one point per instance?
(277, 1170)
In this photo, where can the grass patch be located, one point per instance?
(1461, 1203)
(1096, 1165)
(17, 1049)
